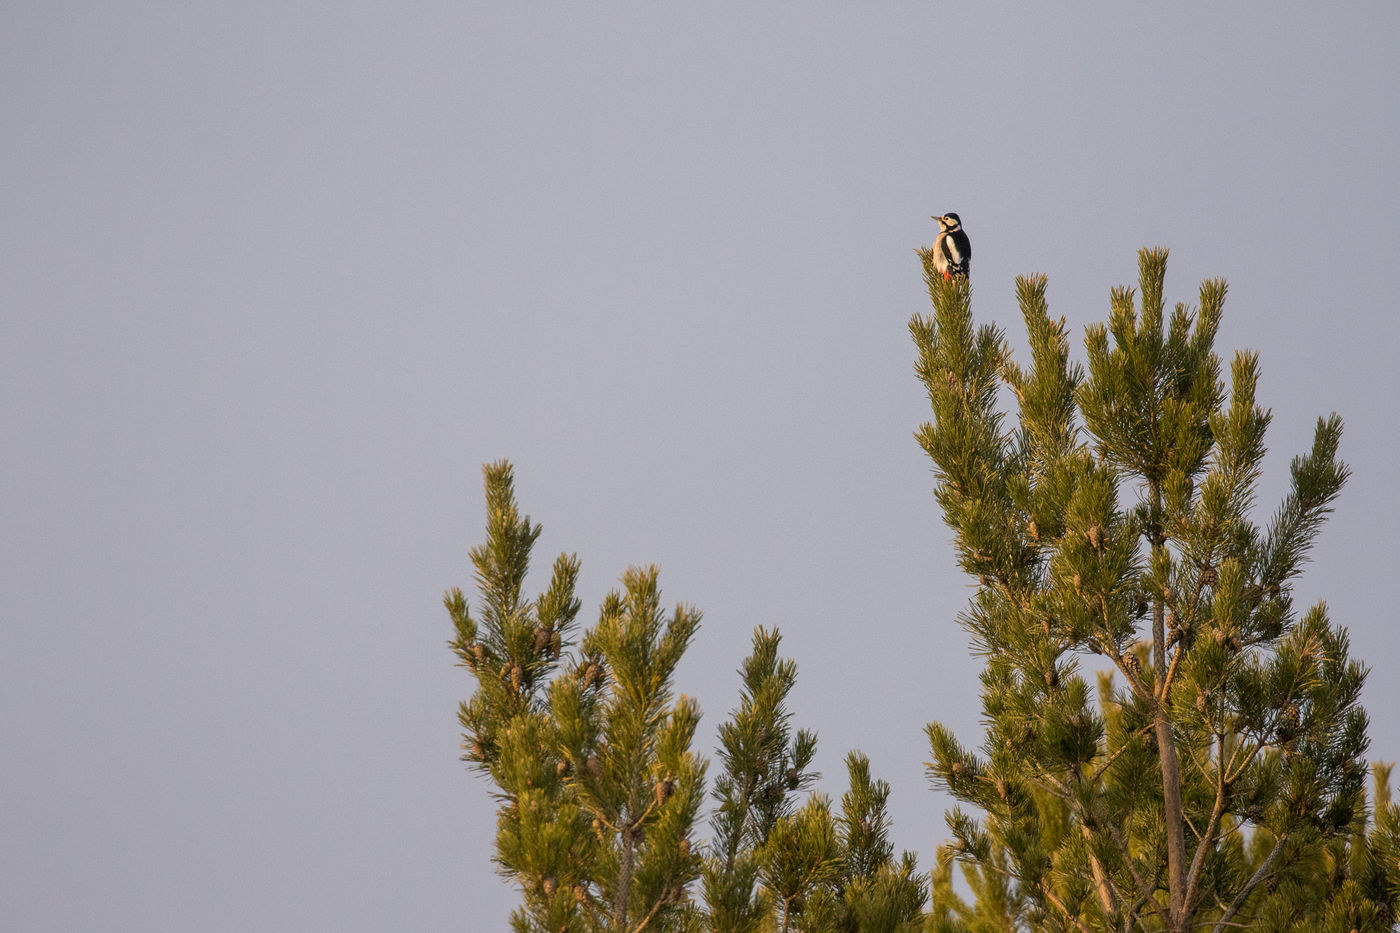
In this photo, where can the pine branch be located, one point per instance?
(1250, 885)
(1108, 894)
(1206, 843)
(1059, 905)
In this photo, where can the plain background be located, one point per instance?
(276, 279)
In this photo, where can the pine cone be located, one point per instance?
(1209, 577)
(1292, 716)
(1076, 581)
(1132, 665)
(1003, 788)
(664, 789)
(1226, 640)
(556, 646)
(1052, 678)
(684, 847)
(1167, 593)
(1096, 537)
(592, 674)
(958, 771)
(792, 778)
(1200, 701)
(479, 652)
(517, 677)
(563, 767)
(541, 640)
(548, 887)
(597, 827)
(1033, 531)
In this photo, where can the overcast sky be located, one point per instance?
(275, 282)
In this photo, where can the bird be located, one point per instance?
(952, 252)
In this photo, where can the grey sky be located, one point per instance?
(275, 282)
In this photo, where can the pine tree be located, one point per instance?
(598, 789)
(773, 865)
(829, 873)
(592, 762)
(764, 766)
(1112, 529)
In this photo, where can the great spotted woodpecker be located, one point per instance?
(952, 253)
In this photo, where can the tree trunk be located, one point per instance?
(624, 881)
(1166, 749)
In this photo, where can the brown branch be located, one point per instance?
(650, 914)
(1145, 889)
(1171, 671)
(1193, 878)
(1057, 787)
(1147, 899)
(1108, 894)
(1244, 764)
(1050, 896)
(1249, 886)
(1114, 757)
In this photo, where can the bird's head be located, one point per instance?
(949, 222)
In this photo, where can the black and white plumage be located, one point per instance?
(952, 253)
